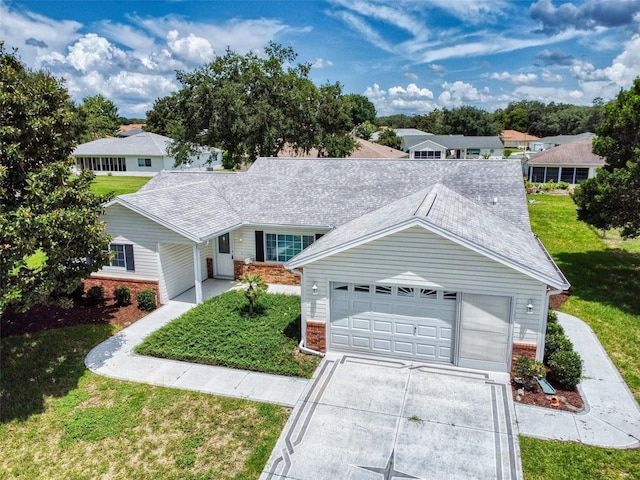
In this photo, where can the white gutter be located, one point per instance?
(303, 320)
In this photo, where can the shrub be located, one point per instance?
(507, 152)
(554, 328)
(146, 300)
(527, 370)
(563, 185)
(557, 342)
(566, 367)
(78, 293)
(552, 316)
(122, 295)
(95, 294)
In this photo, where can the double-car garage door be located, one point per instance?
(400, 321)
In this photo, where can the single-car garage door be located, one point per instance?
(400, 321)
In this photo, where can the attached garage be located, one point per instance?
(417, 323)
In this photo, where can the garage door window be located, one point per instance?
(405, 292)
(383, 290)
(428, 293)
(361, 288)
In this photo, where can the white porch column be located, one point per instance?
(197, 268)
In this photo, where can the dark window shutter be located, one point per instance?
(319, 236)
(128, 255)
(259, 246)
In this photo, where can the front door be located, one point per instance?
(224, 259)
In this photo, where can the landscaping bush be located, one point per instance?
(556, 342)
(146, 300)
(95, 294)
(554, 328)
(527, 370)
(552, 316)
(78, 293)
(566, 367)
(122, 295)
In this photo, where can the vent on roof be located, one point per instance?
(495, 201)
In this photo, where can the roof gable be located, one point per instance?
(452, 216)
(578, 152)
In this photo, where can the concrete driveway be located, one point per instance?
(367, 418)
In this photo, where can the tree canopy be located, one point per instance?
(251, 106)
(612, 198)
(49, 221)
(97, 118)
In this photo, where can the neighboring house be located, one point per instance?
(409, 136)
(569, 163)
(431, 261)
(142, 153)
(364, 149)
(516, 139)
(557, 140)
(431, 147)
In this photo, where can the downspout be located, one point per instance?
(303, 324)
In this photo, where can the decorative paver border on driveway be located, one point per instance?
(366, 418)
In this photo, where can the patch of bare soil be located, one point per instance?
(43, 317)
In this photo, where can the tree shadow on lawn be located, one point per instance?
(610, 277)
(45, 364)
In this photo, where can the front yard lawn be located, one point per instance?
(60, 421)
(605, 278)
(221, 332)
(119, 185)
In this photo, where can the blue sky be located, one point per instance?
(406, 57)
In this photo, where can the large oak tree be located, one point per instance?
(49, 222)
(612, 198)
(251, 106)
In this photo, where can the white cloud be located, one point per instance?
(322, 63)
(515, 78)
(549, 76)
(457, 93)
(409, 99)
(411, 76)
(94, 52)
(548, 94)
(192, 48)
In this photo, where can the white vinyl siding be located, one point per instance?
(144, 235)
(417, 257)
(177, 270)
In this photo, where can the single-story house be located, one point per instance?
(556, 140)
(431, 147)
(143, 153)
(571, 163)
(516, 139)
(364, 149)
(431, 261)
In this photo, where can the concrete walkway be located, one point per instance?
(611, 417)
(115, 358)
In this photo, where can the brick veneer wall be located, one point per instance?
(525, 349)
(270, 272)
(110, 284)
(316, 335)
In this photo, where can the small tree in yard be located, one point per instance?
(253, 286)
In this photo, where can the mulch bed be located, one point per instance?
(42, 317)
(568, 400)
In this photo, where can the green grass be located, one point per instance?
(604, 272)
(605, 279)
(60, 421)
(221, 332)
(119, 185)
(542, 460)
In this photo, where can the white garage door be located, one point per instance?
(398, 321)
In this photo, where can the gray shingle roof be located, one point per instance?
(577, 152)
(457, 141)
(451, 214)
(143, 144)
(481, 201)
